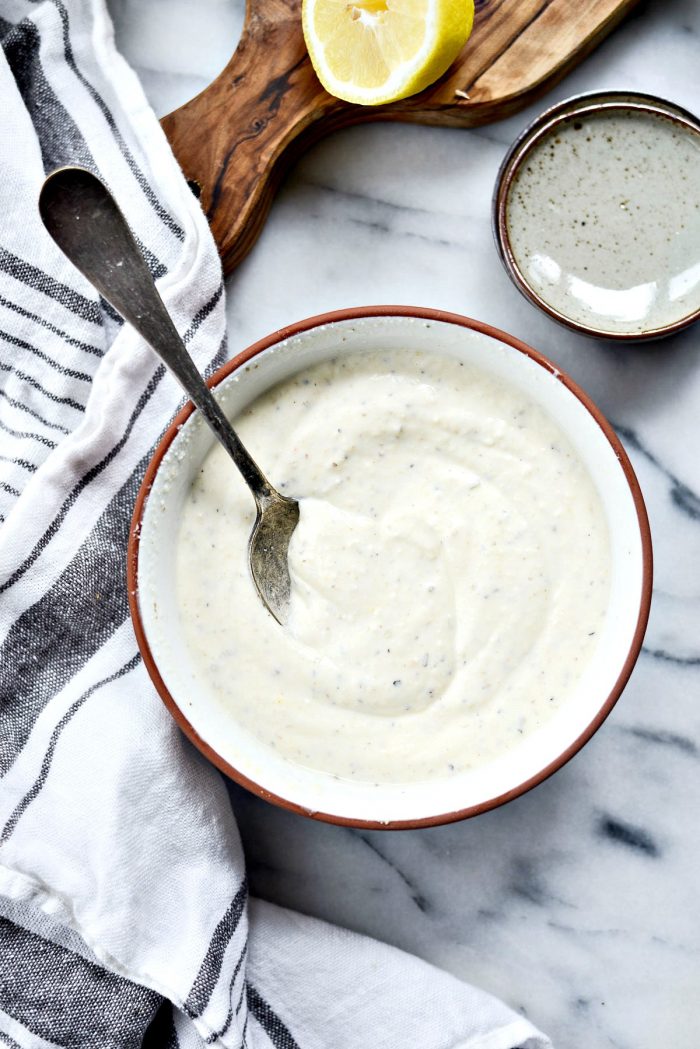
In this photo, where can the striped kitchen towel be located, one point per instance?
(124, 911)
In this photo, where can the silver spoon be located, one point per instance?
(85, 221)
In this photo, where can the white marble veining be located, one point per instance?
(577, 903)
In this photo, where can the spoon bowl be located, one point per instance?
(267, 553)
(88, 226)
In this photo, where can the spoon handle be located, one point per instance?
(86, 222)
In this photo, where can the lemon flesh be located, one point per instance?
(376, 51)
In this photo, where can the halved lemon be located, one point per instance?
(376, 51)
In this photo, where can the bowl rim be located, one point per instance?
(420, 313)
(586, 103)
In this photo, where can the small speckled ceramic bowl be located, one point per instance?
(257, 766)
(596, 215)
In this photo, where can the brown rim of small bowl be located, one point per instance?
(585, 104)
(420, 313)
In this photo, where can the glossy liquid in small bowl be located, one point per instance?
(603, 220)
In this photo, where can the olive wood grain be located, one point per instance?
(237, 138)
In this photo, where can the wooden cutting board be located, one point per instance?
(238, 137)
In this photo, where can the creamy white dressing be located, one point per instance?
(450, 571)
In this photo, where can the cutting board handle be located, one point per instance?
(236, 138)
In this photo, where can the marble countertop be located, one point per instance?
(577, 903)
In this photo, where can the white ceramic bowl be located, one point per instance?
(258, 767)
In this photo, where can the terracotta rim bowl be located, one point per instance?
(591, 103)
(321, 796)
